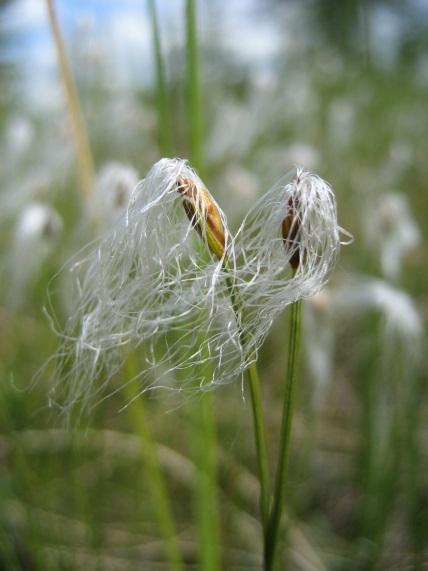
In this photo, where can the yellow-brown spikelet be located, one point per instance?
(204, 215)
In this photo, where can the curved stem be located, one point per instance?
(284, 446)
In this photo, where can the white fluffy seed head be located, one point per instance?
(36, 233)
(114, 185)
(162, 279)
(399, 233)
(152, 281)
(285, 248)
(400, 317)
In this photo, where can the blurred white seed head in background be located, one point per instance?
(392, 231)
(400, 318)
(114, 185)
(401, 327)
(19, 136)
(36, 234)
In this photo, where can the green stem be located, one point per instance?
(193, 88)
(86, 168)
(206, 499)
(157, 488)
(257, 410)
(164, 119)
(203, 414)
(284, 445)
(261, 446)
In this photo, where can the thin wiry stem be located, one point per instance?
(158, 493)
(193, 88)
(285, 438)
(164, 119)
(204, 443)
(86, 168)
(260, 437)
(257, 411)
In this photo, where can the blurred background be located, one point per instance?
(339, 87)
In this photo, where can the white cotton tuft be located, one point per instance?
(114, 185)
(303, 205)
(400, 318)
(151, 282)
(36, 234)
(169, 280)
(393, 231)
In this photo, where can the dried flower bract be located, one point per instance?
(204, 214)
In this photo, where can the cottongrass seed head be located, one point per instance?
(36, 234)
(156, 281)
(170, 278)
(113, 187)
(286, 248)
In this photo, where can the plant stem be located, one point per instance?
(206, 499)
(257, 411)
(203, 415)
(86, 168)
(193, 88)
(285, 438)
(261, 446)
(164, 120)
(157, 488)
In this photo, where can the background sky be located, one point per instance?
(118, 32)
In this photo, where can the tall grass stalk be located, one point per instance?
(206, 501)
(86, 168)
(257, 413)
(157, 489)
(417, 508)
(164, 118)
(202, 410)
(285, 438)
(193, 89)
(261, 446)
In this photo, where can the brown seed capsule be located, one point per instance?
(203, 214)
(291, 226)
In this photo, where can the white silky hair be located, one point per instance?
(264, 278)
(152, 282)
